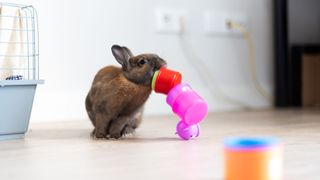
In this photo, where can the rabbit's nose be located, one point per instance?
(159, 63)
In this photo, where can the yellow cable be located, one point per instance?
(251, 59)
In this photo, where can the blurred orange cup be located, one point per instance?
(253, 159)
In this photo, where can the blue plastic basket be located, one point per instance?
(16, 99)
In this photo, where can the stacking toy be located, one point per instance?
(184, 101)
(164, 80)
(253, 159)
(186, 131)
(187, 104)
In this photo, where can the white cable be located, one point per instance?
(251, 59)
(203, 71)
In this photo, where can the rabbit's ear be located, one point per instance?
(127, 50)
(121, 55)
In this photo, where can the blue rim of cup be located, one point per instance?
(247, 143)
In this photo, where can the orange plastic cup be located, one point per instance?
(253, 159)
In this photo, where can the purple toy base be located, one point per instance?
(186, 131)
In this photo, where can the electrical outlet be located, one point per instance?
(168, 20)
(216, 23)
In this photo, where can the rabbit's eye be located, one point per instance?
(142, 62)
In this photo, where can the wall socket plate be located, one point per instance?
(215, 23)
(168, 20)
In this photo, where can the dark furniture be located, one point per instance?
(288, 53)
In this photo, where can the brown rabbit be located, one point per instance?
(115, 101)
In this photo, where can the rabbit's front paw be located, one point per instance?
(115, 135)
(99, 133)
(117, 126)
(125, 131)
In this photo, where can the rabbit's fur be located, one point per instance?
(115, 101)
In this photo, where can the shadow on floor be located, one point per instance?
(80, 134)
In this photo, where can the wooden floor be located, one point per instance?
(65, 150)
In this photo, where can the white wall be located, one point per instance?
(76, 36)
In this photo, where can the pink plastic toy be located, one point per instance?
(186, 131)
(187, 104)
